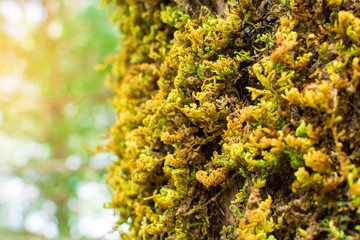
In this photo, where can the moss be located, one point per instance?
(237, 124)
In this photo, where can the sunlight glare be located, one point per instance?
(16, 30)
(15, 220)
(35, 221)
(11, 83)
(101, 160)
(11, 11)
(14, 188)
(91, 190)
(50, 207)
(96, 226)
(50, 230)
(73, 162)
(35, 12)
(55, 29)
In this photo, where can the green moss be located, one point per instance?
(236, 124)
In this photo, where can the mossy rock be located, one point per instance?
(236, 119)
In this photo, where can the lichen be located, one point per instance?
(236, 124)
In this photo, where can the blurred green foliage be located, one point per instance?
(53, 103)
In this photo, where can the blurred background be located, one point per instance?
(53, 105)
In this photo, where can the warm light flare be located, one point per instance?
(52, 104)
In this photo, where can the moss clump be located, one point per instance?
(237, 119)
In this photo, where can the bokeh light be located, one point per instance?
(53, 106)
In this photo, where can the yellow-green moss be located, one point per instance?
(241, 125)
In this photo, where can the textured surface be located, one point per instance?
(243, 125)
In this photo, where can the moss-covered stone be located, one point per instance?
(237, 120)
